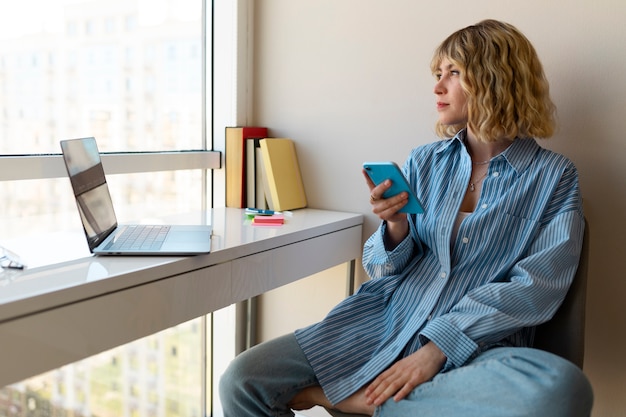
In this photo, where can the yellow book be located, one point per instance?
(282, 179)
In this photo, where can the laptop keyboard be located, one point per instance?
(139, 238)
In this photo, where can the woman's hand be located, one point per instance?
(406, 374)
(387, 209)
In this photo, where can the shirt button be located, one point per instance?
(495, 174)
(443, 275)
(465, 240)
(483, 206)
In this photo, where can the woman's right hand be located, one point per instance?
(387, 209)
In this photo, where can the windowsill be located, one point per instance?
(45, 250)
(60, 262)
(62, 271)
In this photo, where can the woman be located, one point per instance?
(445, 325)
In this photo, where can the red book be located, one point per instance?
(235, 161)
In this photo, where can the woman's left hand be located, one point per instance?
(406, 374)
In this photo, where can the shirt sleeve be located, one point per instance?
(529, 295)
(379, 262)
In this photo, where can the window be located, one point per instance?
(65, 76)
(133, 75)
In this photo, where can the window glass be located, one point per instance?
(128, 73)
(154, 376)
(44, 210)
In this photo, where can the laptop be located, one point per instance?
(104, 235)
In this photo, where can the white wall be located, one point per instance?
(349, 81)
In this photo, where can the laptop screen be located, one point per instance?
(84, 167)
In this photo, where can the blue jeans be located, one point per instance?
(499, 382)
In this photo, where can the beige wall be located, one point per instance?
(349, 80)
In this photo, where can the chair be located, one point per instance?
(564, 334)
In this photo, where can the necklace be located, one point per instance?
(472, 185)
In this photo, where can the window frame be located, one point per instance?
(30, 167)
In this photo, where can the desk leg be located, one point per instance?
(350, 278)
(246, 319)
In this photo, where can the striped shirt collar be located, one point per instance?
(519, 155)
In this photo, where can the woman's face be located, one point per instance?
(451, 99)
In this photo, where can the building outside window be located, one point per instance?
(131, 73)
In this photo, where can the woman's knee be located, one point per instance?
(241, 368)
(266, 365)
(239, 392)
(560, 388)
(571, 394)
(265, 378)
(230, 380)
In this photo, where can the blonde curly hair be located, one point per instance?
(508, 95)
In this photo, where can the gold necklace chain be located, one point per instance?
(472, 185)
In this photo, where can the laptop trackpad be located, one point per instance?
(181, 242)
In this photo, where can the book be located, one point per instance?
(261, 196)
(272, 220)
(282, 178)
(255, 193)
(235, 162)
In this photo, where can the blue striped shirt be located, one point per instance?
(507, 270)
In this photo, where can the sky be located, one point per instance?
(24, 17)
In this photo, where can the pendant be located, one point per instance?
(472, 187)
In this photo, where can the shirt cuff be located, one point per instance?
(401, 253)
(457, 347)
(379, 262)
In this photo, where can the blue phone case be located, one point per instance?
(381, 171)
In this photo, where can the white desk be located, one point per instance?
(59, 314)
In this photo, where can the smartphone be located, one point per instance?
(381, 171)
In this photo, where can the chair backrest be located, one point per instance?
(564, 334)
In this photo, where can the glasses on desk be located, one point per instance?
(9, 260)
